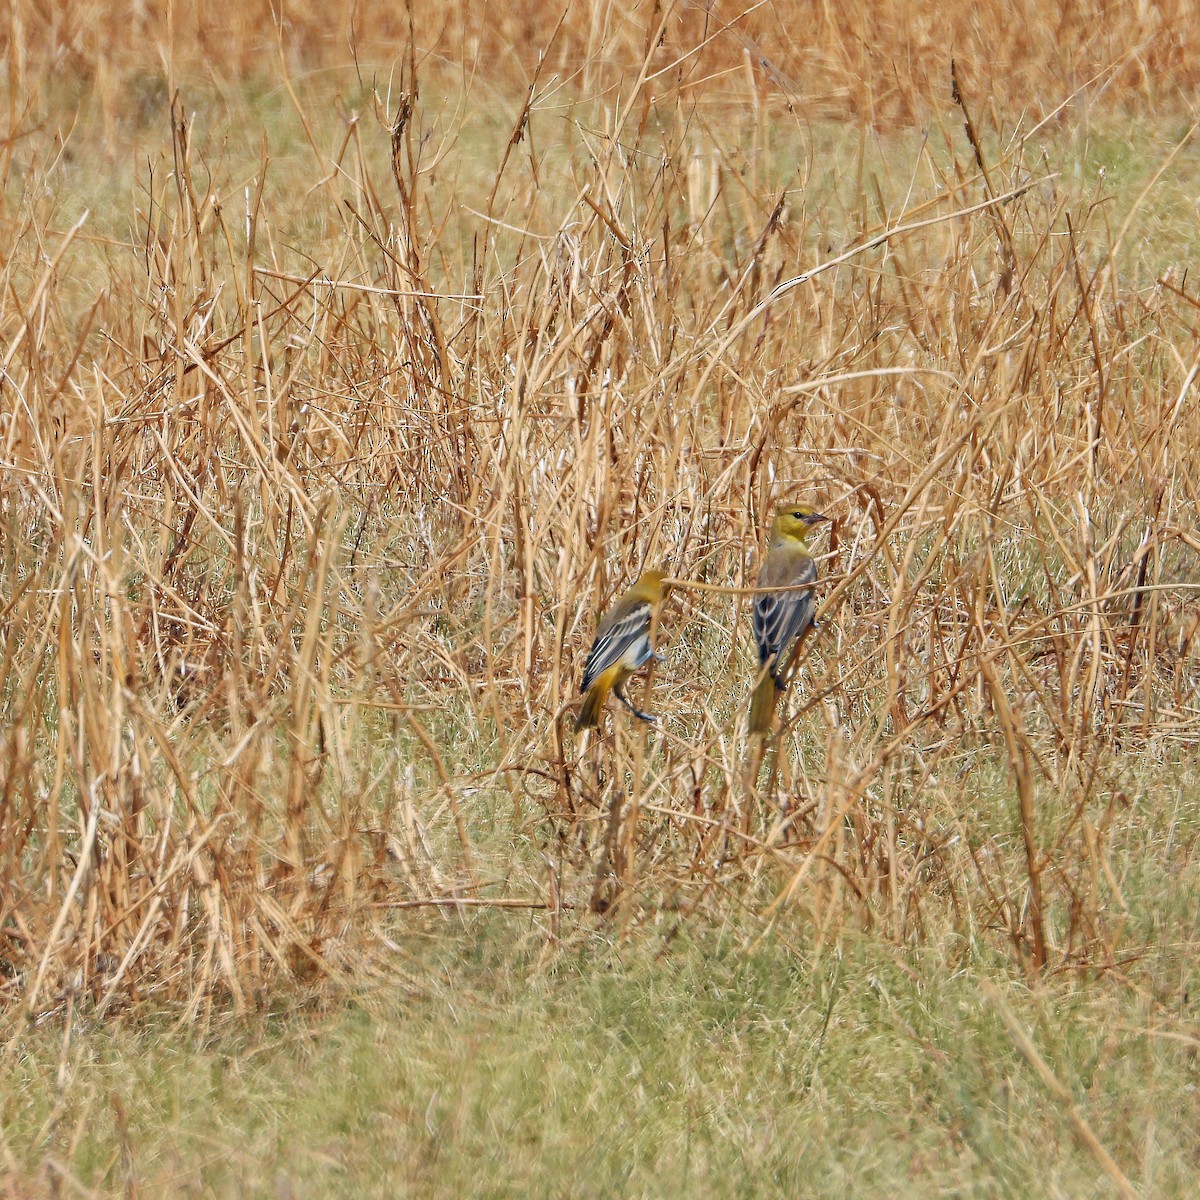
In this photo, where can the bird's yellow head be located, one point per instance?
(650, 585)
(795, 520)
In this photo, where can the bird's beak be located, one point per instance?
(817, 517)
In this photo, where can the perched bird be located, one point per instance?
(780, 618)
(622, 645)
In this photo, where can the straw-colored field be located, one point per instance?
(354, 363)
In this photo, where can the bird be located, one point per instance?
(781, 618)
(621, 646)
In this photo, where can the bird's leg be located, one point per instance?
(637, 712)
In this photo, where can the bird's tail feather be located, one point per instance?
(593, 704)
(762, 707)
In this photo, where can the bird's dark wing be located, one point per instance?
(618, 641)
(780, 618)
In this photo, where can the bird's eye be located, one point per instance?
(798, 515)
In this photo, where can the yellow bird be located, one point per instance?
(621, 646)
(780, 618)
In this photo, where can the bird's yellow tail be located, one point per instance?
(593, 705)
(762, 707)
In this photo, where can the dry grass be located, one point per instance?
(335, 405)
(310, 489)
(883, 63)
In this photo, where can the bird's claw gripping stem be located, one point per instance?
(637, 712)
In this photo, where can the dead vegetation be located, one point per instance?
(302, 539)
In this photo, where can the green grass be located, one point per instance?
(508, 1069)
